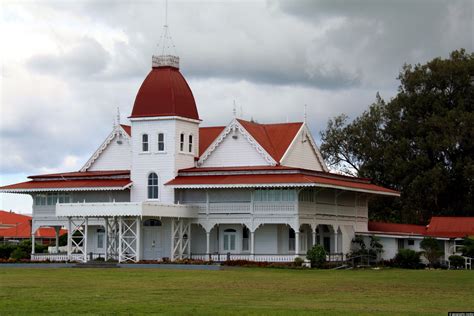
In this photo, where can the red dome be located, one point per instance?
(165, 92)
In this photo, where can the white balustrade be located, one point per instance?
(274, 208)
(230, 208)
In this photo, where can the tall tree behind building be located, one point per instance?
(421, 142)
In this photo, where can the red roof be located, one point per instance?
(165, 92)
(274, 138)
(12, 218)
(452, 227)
(68, 184)
(127, 129)
(396, 229)
(83, 174)
(21, 227)
(207, 135)
(289, 178)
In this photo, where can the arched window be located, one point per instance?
(190, 143)
(181, 142)
(153, 186)
(152, 222)
(161, 142)
(145, 142)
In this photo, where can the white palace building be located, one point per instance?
(164, 187)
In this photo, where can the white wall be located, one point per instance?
(301, 153)
(164, 164)
(266, 241)
(115, 156)
(234, 152)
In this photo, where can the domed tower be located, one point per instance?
(165, 131)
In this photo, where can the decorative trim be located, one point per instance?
(118, 130)
(275, 185)
(67, 189)
(163, 118)
(234, 124)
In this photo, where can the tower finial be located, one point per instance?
(165, 46)
(234, 110)
(118, 116)
(305, 115)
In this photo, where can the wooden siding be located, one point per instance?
(115, 156)
(234, 152)
(301, 153)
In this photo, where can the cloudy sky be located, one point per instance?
(66, 66)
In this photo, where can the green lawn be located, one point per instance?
(249, 291)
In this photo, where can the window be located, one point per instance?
(181, 142)
(152, 223)
(153, 186)
(52, 198)
(245, 239)
(161, 142)
(411, 242)
(190, 143)
(230, 236)
(100, 238)
(400, 243)
(145, 142)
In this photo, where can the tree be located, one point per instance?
(421, 142)
(431, 250)
(468, 247)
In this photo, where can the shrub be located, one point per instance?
(456, 261)
(18, 254)
(298, 262)
(468, 247)
(6, 250)
(317, 256)
(408, 259)
(431, 250)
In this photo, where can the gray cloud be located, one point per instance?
(86, 58)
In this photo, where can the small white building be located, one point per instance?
(165, 187)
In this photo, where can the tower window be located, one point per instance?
(190, 144)
(181, 142)
(153, 186)
(145, 142)
(161, 142)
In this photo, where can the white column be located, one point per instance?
(314, 227)
(189, 240)
(335, 241)
(173, 228)
(33, 242)
(139, 239)
(120, 240)
(56, 231)
(86, 232)
(106, 241)
(297, 242)
(69, 242)
(252, 245)
(208, 244)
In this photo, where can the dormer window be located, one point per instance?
(190, 143)
(145, 142)
(161, 142)
(181, 142)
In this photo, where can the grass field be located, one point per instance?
(248, 291)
